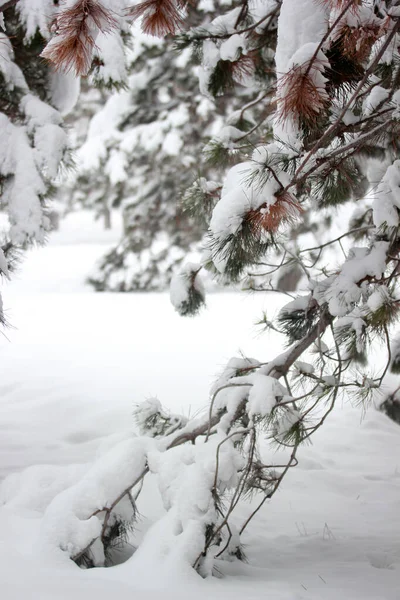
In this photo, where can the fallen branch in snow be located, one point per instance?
(205, 467)
(224, 417)
(107, 510)
(241, 406)
(192, 431)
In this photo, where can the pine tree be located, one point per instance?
(334, 123)
(33, 141)
(140, 154)
(36, 95)
(75, 191)
(92, 97)
(144, 149)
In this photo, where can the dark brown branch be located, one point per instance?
(332, 130)
(224, 36)
(280, 370)
(8, 4)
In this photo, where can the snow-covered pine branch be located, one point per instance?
(34, 98)
(333, 128)
(143, 150)
(328, 134)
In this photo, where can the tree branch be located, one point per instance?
(298, 177)
(8, 4)
(282, 364)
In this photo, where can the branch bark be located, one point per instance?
(8, 4)
(329, 133)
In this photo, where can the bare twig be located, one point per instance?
(276, 486)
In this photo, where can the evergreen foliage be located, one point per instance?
(296, 322)
(143, 151)
(34, 101)
(187, 290)
(307, 154)
(142, 164)
(391, 407)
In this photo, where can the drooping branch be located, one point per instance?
(294, 415)
(280, 366)
(202, 427)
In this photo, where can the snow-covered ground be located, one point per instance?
(75, 364)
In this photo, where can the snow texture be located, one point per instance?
(186, 477)
(110, 49)
(300, 22)
(33, 144)
(378, 298)
(36, 15)
(333, 526)
(70, 522)
(13, 77)
(301, 27)
(21, 193)
(377, 96)
(344, 290)
(64, 90)
(303, 367)
(387, 197)
(299, 303)
(264, 395)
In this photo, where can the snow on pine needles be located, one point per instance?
(69, 388)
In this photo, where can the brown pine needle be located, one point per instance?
(159, 17)
(269, 218)
(75, 30)
(299, 97)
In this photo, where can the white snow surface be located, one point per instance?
(21, 194)
(230, 48)
(300, 22)
(65, 89)
(343, 290)
(12, 74)
(36, 14)
(264, 394)
(110, 49)
(387, 197)
(75, 364)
